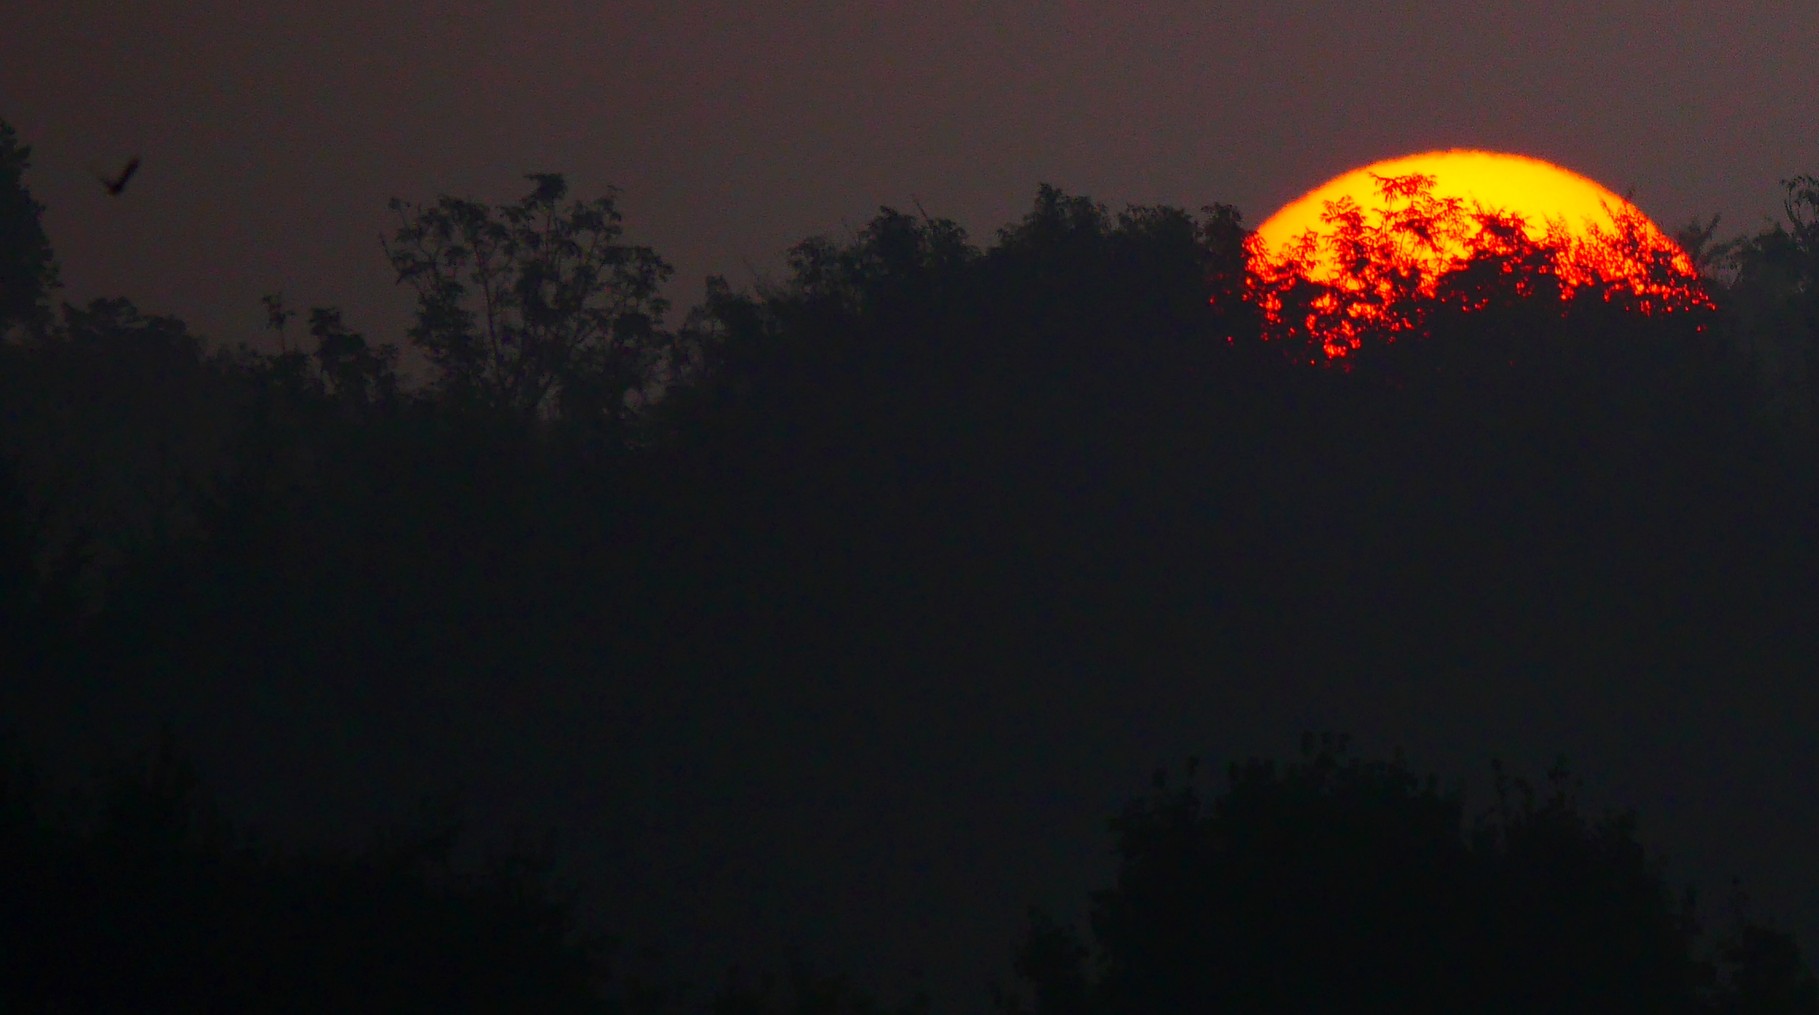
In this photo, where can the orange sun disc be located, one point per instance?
(1363, 248)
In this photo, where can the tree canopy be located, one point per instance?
(532, 307)
(1333, 879)
(824, 564)
(28, 269)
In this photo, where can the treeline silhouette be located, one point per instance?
(915, 464)
(1337, 882)
(1326, 878)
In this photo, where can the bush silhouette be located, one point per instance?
(136, 894)
(1335, 881)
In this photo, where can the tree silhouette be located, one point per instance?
(920, 469)
(532, 307)
(118, 422)
(1334, 880)
(28, 268)
(138, 895)
(1772, 301)
(28, 603)
(802, 991)
(1373, 276)
(358, 376)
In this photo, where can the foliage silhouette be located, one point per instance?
(1772, 302)
(1757, 967)
(532, 307)
(1372, 276)
(1337, 880)
(28, 268)
(139, 895)
(117, 421)
(801, 992)
(1058, 465)
(24, 616)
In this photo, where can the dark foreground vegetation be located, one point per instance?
(1328, 877)
(1067, 454)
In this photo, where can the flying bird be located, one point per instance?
(118, 183)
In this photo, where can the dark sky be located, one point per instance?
(274, 133)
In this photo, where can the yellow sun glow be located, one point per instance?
(1541, 192)
(1359, 253)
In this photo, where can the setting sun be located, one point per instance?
(1354, 254)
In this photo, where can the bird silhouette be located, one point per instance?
(118, 183)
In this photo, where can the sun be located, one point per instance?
(1375, 249)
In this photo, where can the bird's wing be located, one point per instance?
(118, 183)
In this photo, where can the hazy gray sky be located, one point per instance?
(273, 133)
